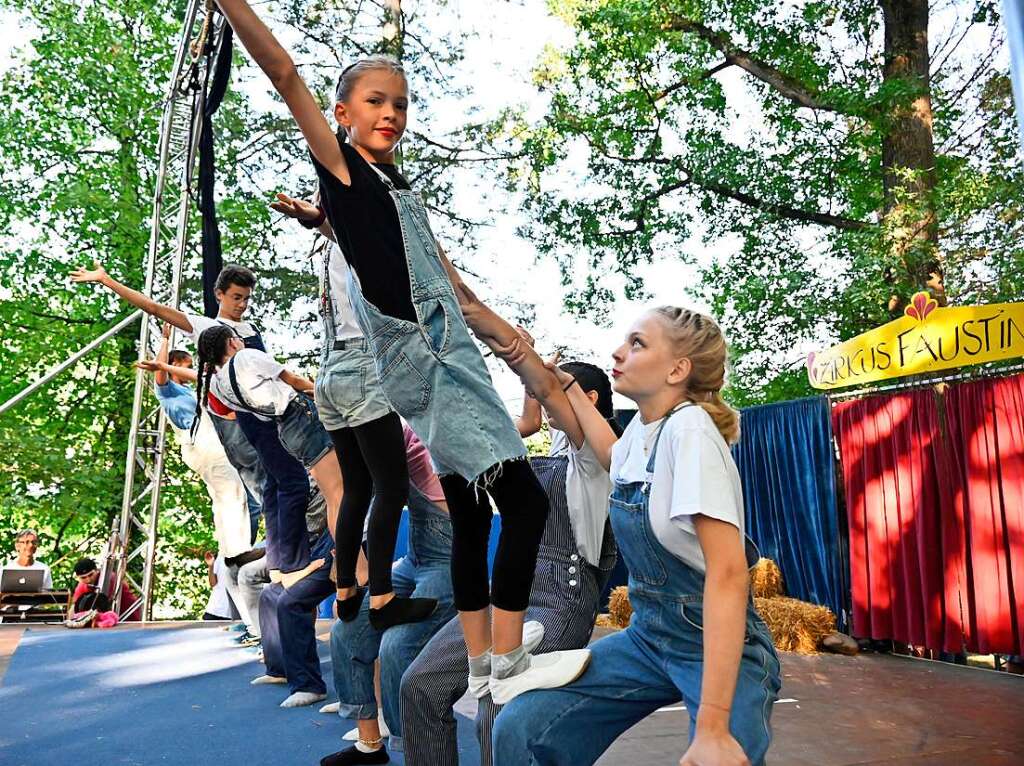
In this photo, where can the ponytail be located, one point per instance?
(726, 419)
(205, 372)
(211, 348)
(700, 340)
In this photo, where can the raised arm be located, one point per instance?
(275, 62)
(551, 386)
(528, 423)
(160, 375)
(100, 276)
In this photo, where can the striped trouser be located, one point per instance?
(439, 676)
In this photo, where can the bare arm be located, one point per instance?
(275, 62)
(545, 380)
(100, 276)
(726, 588)
(453, 274)
(299, 383)
(303, 211)
(160, 374)
(528, 422)
(156, 366)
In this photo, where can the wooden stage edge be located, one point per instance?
(872, 709)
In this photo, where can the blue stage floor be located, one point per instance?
(172, 696)
(180, 696)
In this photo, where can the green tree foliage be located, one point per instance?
(79, 121)
(823, 155)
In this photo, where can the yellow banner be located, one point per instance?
(925, 339)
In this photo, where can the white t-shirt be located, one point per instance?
(37, 564)
(345, 325)
(257, 374)
(219, 604)
(693, 473)
(200, 323)
(587, 487)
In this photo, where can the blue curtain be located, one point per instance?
(787, 463)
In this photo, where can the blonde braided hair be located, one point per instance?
(700, 340)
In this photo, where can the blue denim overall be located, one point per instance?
(656, 661)
(285, 488)
(432, 372)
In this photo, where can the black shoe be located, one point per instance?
(244, 558)
(399, 611)
(353, 755)
(347, 609)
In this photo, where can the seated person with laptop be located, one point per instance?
(32, 571)
(25, 582)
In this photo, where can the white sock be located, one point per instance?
(366, 748)
(301, 699)
(268, 679)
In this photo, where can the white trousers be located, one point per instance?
(206, 457)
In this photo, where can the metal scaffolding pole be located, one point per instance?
(170, 241)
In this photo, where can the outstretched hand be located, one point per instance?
(295, 208)
(96, 274)
(150, 365)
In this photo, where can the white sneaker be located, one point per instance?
(331, 708)
(533, 634)
(353, 735)
(546, 671)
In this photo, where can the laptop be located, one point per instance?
(16, 580)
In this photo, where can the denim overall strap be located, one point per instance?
(327, 304)
(253, 341)
(750, 548)
(431, 370)
(657, 438)
(269, 412)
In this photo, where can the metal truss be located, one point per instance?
(171, 242)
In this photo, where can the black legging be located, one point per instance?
(523, 506)
(376, 479)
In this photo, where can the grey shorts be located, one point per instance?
(348, 393)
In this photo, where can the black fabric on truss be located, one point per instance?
(217, 85)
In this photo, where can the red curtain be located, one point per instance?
(986, 439)
(905, 560)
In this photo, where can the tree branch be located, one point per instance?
(784, 211)
(788, 86)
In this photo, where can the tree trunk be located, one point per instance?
(908, 149)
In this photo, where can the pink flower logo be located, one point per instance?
(811, 372)
(921, 305)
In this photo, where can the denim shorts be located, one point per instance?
(302, 433)
(348, 392)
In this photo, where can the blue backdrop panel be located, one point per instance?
(787, 464)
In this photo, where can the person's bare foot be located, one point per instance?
(288, 579)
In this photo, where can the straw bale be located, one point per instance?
(619, 608)
(766, 579)
(796, 626)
